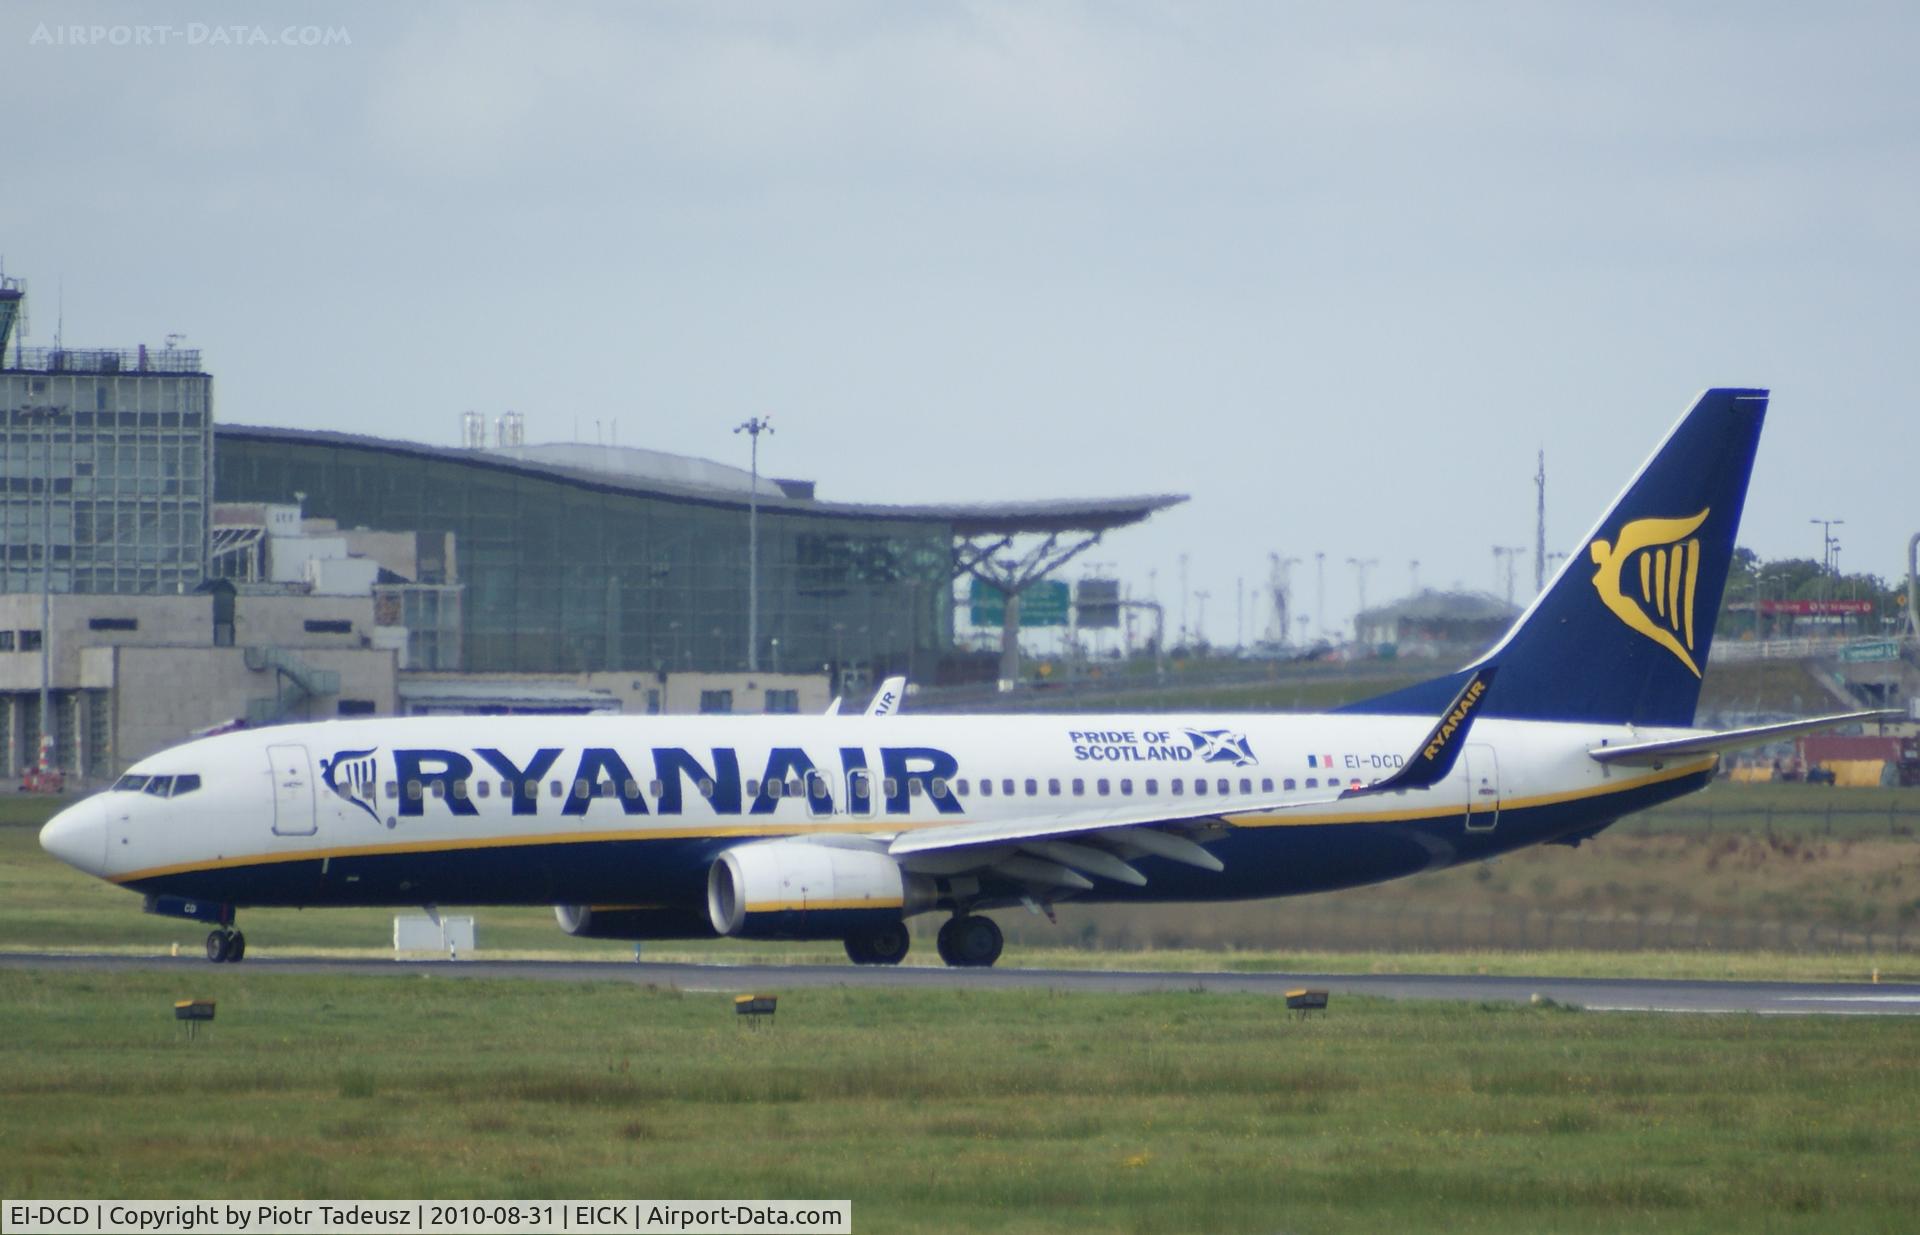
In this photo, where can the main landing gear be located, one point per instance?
(226, 944)
(970, 941)
(883, 945)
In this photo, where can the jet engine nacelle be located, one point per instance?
(796, 890)
(633, 922)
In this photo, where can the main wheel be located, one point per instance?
(883, 945)
(217, 946)
(972, 942)
(943, 942)
(237, 948)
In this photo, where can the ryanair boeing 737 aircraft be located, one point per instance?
(844, 826)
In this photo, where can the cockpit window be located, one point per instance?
(158, 786)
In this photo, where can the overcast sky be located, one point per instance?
(1336, 271)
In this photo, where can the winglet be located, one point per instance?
(1435, 756)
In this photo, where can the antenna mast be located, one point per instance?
(1540, 526)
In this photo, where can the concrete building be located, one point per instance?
(1434, 623)
(107, 456)
(132, 674)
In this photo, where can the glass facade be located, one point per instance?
(569, 573)
(107, 471)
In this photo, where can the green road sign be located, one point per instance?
(1041, 604)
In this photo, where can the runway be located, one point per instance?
(1593, 994)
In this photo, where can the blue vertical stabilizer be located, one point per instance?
(1622, 632)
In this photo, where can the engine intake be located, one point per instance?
(798, 890)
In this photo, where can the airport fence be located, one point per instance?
(1326, 924)
(1841, 814)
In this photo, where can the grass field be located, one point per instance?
(962, 1110)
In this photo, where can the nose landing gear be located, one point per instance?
(226, 944)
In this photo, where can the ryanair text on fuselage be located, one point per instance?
(666, 773)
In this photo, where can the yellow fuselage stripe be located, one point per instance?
(817, 906)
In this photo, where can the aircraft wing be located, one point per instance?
(1641, 754)
(1062, 848)
(1102, 820)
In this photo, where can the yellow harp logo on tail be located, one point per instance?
(1647, 578)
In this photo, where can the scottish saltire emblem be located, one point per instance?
(1222, 746)
(355, 776)
(1647, 578)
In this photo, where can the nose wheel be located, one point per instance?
(970, 941)
(226, 945)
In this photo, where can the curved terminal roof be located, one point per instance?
(967, 518)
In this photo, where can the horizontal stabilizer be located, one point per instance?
(1640, 754)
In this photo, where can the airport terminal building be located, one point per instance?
(577, 558)
(162, 575)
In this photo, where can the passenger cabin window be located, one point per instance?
(1153, 787)
(1053, 786)
(1266, 784)
(1006, 787)
(1079, 787)
(986, 787)
(1033, 787)
(1288, 783)
(481, 788)
(1179, 787)
(1126, 788)
(1103, 787)
(1199, 786)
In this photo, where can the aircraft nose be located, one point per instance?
(78, 836)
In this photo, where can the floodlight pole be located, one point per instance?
(46, 416)
(753, 428)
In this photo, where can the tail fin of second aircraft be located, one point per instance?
(1621, 633)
